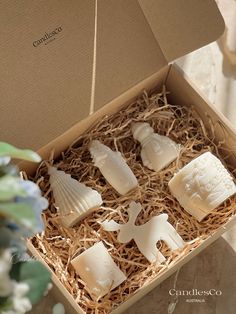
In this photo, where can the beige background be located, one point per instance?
(215, 268)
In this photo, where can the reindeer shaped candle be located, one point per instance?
(202, 185)
(158, 151)
(146, 235)
(113, 167)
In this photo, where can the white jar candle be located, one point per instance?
(202, 185)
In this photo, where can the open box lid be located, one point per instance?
(48, 49)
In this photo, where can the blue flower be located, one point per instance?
(34, 199)
(4, 160)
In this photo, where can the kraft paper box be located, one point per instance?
(61, 61)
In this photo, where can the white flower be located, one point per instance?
(34, 199)
(20, 303)
(49, 287)
(5, 286)
(58, 309)
(5, 266)
(21, 306)
(5, 262)
(20, 289)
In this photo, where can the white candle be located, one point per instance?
(97, 269)
(73, 199)
(113, 167)
(146, 235)
(202, 185)
(158, 151)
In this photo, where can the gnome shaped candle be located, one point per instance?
(158, 151)
(113, 167)
(73, 199)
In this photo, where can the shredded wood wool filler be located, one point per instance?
(59, 245)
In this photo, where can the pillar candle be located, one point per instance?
(202, 185)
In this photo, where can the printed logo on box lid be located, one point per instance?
(47, 37)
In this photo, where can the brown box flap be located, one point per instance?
(47, 56)
(181, 26)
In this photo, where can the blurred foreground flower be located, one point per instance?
(33, 199)
(5, 267)
(20, 303)
(22, 282)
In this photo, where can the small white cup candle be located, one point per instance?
(97, 269)
(202, 185)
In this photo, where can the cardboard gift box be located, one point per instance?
(65, 65)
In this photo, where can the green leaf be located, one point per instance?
(37, 277)
(5, 237)
(10, 170)
(20, 213)
(15, 270)
(5, 304)
(25, 154)
(3, 300)
(10, 187)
